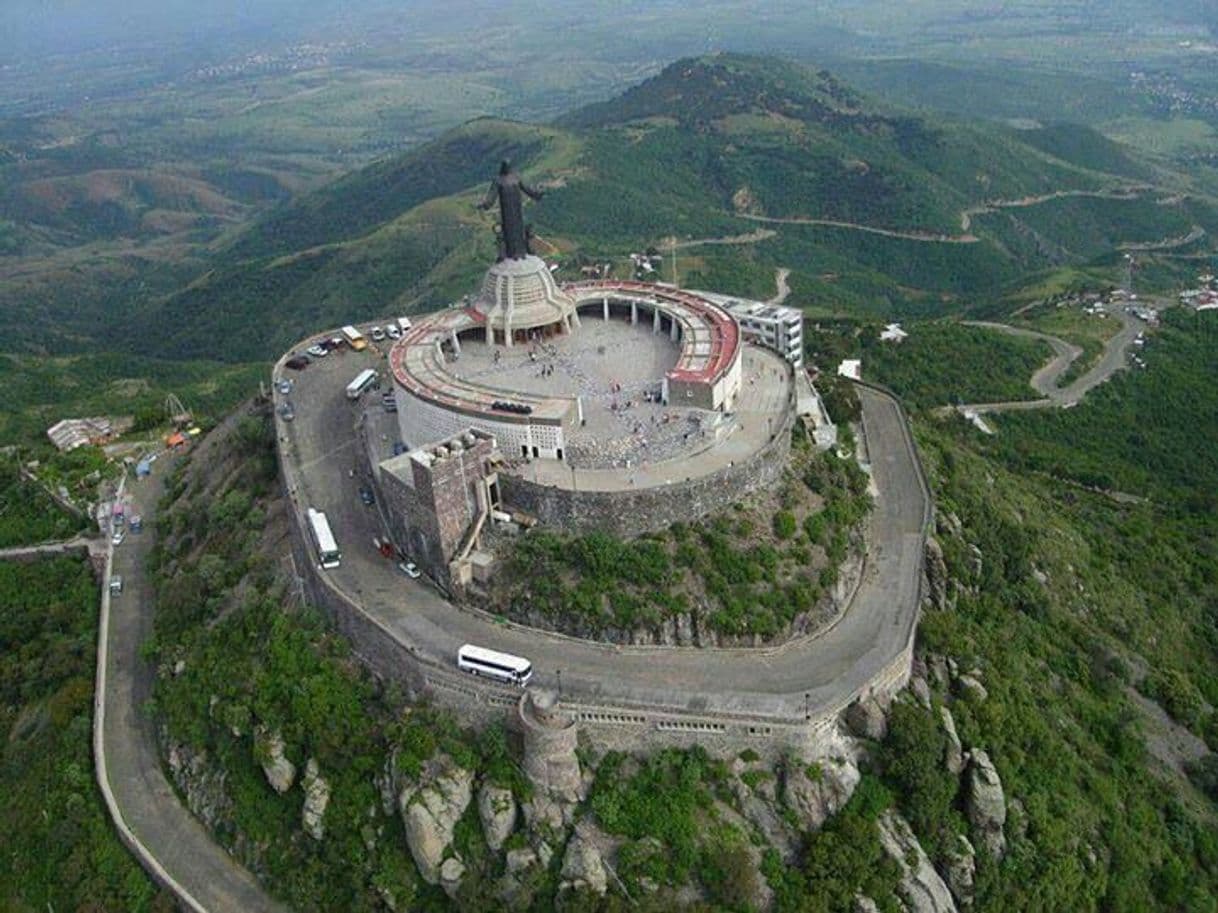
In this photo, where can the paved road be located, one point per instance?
(1045, 380)
(206, 877)
(815, 673)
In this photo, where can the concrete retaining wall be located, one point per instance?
(632, 512)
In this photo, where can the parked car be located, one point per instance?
(297, 363)
(410, 569)
(287, 412)
(119, 535)
(392, 331)
(334, 342)
(318, 351)
(284, 386)
(137, 524)
(389, 402)
(398, 448)
(365, 495)
(116, 585)
(377, 334)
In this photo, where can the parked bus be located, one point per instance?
(355, 338)
(323, 539)
(363, 381)
(501, 666)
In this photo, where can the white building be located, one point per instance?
(774, 326)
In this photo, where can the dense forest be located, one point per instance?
(60, 850)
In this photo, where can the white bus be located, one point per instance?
(363, 381)
(502, 666)
(355, 338)
(323, 539)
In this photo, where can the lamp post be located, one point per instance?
(807, 709)
(558, 674)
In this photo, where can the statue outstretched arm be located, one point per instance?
(492, 195)
(531, 191)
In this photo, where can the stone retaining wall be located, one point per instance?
(632, 512)
(602, 726)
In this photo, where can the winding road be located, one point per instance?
(816, 674)
(1045, 380)
(152, 822)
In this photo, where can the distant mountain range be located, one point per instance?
(873, 208)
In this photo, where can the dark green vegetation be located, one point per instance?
(944, 363)
(60, 851)
(28, 514)
(1076, 598)
(41, 391)
(748, 572)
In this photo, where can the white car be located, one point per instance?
(377, 334)
(317, 351)
(410, 569)
(393, 332)
(118, 537)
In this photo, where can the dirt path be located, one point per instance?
(1131, 192)
(1045, 380)
(924, 236)
(752, 237)
(780, 280)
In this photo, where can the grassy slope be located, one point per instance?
(60, 851)
(676, 156)
(41, 391)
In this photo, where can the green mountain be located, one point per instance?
(873, 209)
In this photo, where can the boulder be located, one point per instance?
(936, 670)
(317, 797)
(976, 563)
(936, 575)
(520, 859)
(960, 870)
(866, 719)
(816, 792)
(986, 804)
(583, 867)
(497, 811)
(953, 754)
(451, 873)
(921, 887)
(864, 904)
(268, 750)
(430, 812)
(971, 689)
(948, 524)
(920, 690)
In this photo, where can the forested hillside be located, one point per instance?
(874, 209)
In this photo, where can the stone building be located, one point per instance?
(439, 497)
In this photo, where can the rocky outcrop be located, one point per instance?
(201, 783)
(269, 752)
(960, 871)
(816, 792)
(451, 873)
(986, 804)
(430, 812)
(970, 688)
(866, 719)
(317, 797)
(864, 904)
(497, 811)
(583, 867)
(921, 887)
(953, 753)
(936, 575)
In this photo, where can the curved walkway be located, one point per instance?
(152, 822)
(1045, 380)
